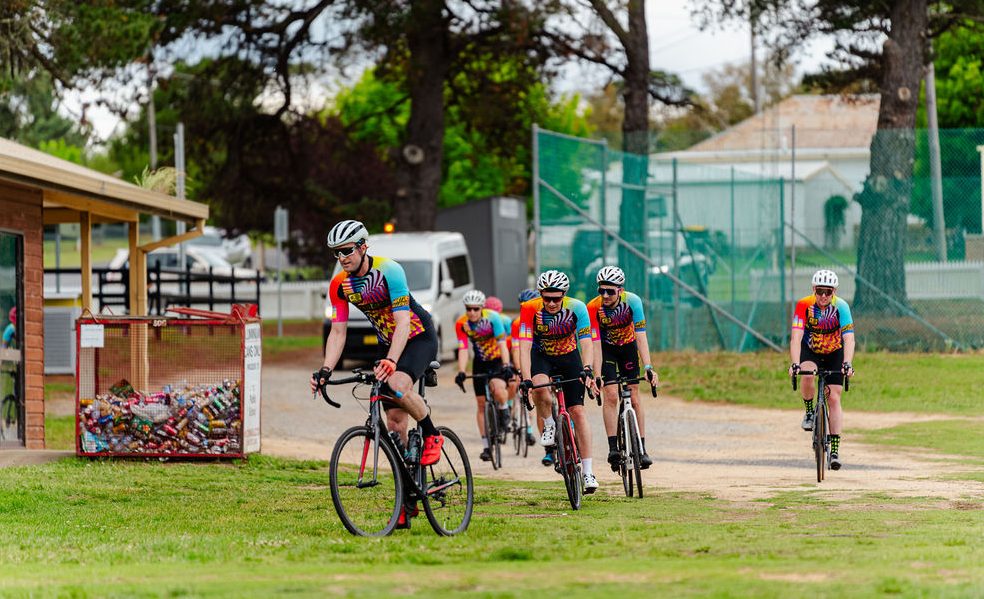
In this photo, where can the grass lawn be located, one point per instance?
(81, 528)
(102, 253)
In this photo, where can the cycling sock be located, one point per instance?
(835, 441)
(612, 443)
(586, 462)
(428, 427)
(548, 422)
(643, 439)
(809, 404)
(485, 442)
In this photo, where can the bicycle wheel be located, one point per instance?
(449, 491)
(635, 450)
(492, 434)
(366, 487)
(623, 454)
(819, 438)
(571, 465)
(524, 423)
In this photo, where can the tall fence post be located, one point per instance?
(538, 242)
(782, 259)
(676, 265)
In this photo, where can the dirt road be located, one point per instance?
(731, 452)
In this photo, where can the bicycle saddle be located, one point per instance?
(430, 375)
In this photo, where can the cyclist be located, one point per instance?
(552, 328)
(618, 328)
(823, 337)
(495, 304)
(488, 340)
(408, 340)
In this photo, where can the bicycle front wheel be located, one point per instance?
(449, 491)
(492, 434)
(524, 424)
(571, 463)
(366, 487)
(635, 449)
(623, 446)
(820, 442)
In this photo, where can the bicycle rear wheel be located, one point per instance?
(492, 434)
(635, 451)
(571, 462)
(366, 487)
(449, 491)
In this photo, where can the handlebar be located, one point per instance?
(358, 376)
(628, 380)
(847, 379)
(556, 382)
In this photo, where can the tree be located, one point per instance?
(884, 43)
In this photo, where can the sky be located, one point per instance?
(676, 45)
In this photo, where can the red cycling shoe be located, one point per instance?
(432, 450)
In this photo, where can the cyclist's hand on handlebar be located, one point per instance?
(847, 369)
(459, 379)
(652, 378)
(319, 378)
(524, 391)
(384, 369)
(793, 369)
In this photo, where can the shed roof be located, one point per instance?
(65, 182)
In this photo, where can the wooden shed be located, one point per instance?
(37, 190)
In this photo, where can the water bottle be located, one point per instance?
(413, 446)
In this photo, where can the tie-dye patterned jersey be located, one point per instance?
(554, 334)
(381, 292)
(825, 327)
(617, 325)
(485, 334)
(506, 323)
(514, 331)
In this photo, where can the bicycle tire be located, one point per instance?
(363, 511)
(571, 466)
(524, 426)
(515, 433)
(492, 435)
(620, 445)
(819, 434)
(443, 506)
(635, 448)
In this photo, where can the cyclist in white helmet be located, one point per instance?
(618, 328)
(823, 337)
(407, 337)
(484, 329)
(553, 328)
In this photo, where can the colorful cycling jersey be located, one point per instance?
(619, 324)
(506, 323)
(554, 334)
(514, 332)
(825, 327)
(379, 293)
(485, 334)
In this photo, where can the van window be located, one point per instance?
(459, 270)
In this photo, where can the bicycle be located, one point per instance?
(821, 418)
(386, 477)
(628, 438)
(568, 459)
(493, 435)
(520, 434)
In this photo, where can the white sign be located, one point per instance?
(280, 225)
(509, 208)
(93, 335)
(252, 364)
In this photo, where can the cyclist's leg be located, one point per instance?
(478, 384)
(415, 359)
(397, 421)
(574, 399)
(609, 410)
(835, 384)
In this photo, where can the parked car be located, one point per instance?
(439, 273)
(236, 250)
(196, 261)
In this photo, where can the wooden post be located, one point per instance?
(85, 232)
(139, 365)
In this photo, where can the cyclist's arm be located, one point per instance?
(504, 352)
(462, 343)
(401, 334)
(642, 343)
(639, 326)
(525, 345)
(596, 363)
(526, 317)
(335, 344)
(849, 348)
(795, 341)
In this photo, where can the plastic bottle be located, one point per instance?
(413, 446)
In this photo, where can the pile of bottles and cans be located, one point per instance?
(179, 420)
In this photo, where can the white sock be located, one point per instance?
(586, 462)
(548, 422)
(485, 442)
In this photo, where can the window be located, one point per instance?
(459, 270)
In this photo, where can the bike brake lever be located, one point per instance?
(323, 388)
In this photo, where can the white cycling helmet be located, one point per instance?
(553, 279)
(825, 278)
(474, 298)
(347, 231)
(612, 275)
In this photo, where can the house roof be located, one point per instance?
(67, 184)
(822, 122)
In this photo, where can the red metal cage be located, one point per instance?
(184, 386)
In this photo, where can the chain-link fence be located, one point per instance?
(721, 243)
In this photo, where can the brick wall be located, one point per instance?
(20, 212)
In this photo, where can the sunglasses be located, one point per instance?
(346, 252)
(606, 291)
(473, 309)
(823, 291)
(552, 299)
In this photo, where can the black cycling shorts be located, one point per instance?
(567, 366)
(493, 367)
(832, 361)
(619, 360)
(417, 355)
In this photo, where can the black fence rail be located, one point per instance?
(165, 287)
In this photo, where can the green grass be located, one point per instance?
(955, 437)
(59, 432)
(102, 253)
(81, 528)
(273, 345)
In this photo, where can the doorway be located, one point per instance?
(12, 417)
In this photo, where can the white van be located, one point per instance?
(439, 273)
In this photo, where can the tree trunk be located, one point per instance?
(421, 156)
(885, 197)
(635, 142)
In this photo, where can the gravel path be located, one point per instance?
(732, 452)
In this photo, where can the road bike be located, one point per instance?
(628, 439)
(567, 458)
(821, 417)
(494, 432)
(520, 434)
(373, 477)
